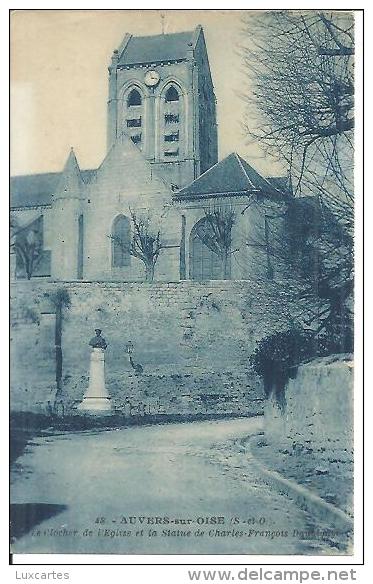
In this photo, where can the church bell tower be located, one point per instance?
(161, 95)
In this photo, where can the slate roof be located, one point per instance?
(34, 190)
(281, 183)
(161, 47)
(232, 175)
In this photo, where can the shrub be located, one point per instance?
(277, 356)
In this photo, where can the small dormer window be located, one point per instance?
(171, 94)
(134, 98)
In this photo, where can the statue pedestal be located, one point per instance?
(96, 399)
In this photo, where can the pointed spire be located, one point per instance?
(71, 182)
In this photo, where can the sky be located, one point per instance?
(59, 76)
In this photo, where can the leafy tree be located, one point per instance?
(277, 356)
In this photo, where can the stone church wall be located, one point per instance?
(116, 191)
(192, 339)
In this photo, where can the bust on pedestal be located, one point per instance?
(96, 399)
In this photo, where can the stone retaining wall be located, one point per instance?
(319, 406)
(192, 339)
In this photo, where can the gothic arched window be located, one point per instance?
(171, 94)
(121, 242)
(134, 98)
(204, 262)
(134, 117)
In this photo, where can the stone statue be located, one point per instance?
(96, 399)
(98, 342)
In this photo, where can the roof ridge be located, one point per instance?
(196, 33)
(238, 157)
(265, 178)
(160, 34)
(206, 171)
(35, 174)
(169, 46)
(233, 175)
(49, 173)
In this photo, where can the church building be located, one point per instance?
(161, 169)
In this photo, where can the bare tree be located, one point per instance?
(145, 243)
(301, 96)
(307, 253)
(216, 233)
(27, 244)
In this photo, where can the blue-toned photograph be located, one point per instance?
(181, 282)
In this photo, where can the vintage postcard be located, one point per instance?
(182, 278)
